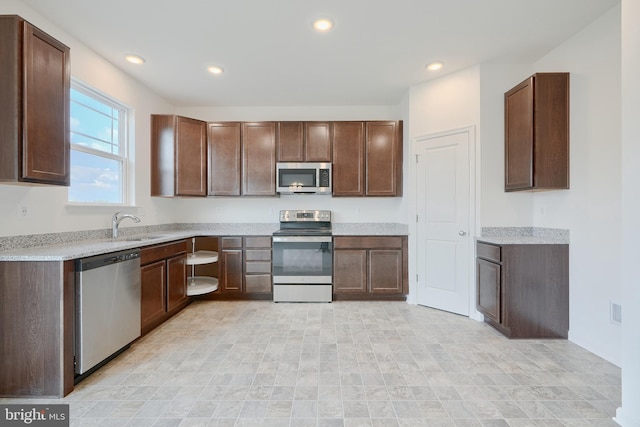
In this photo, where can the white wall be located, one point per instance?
(629, 414)
(447, 103)
(49, 212)
(499, 208)
(591, 208)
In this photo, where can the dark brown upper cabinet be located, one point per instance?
(367, 158)
(383, 158)
(178, 156)
(304, 141)
(537, 133)
(34, 105)
(259, 159)
(348, 164)
(225, 153)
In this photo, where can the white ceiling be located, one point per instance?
(272, 57)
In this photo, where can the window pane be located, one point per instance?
(87, 141)
(91, 102)
(95, 179)
(86, 121)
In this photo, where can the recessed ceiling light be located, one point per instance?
(322, 25)
(135, 59)
(435, 66)
(214, 69)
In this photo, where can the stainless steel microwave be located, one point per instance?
(303, 178)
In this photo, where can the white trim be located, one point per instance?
(474, 209)
(125, 157)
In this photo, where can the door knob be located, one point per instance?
(462, 233)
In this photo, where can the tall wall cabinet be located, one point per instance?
(537, 133)
(34, 105)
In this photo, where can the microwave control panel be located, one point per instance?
(325, 177)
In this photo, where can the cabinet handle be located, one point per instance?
(462, 233)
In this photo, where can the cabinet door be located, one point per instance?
(259, 159)
(176, 281)
(348, 159)
(231, 274)
(153, 296)
(224, 159)
(191, 157)
(488, 289)
(385, 271)
(383, 159)
(518, 150)
(317, 142)
(46, 147)
(350, 271)
(290, 141)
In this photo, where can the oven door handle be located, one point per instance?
(301, 239)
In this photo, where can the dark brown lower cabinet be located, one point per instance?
(163, 277)
(523, 289)
(230, 259)
(370, 267)
(245, 268)
(36, 317)
(257, 265)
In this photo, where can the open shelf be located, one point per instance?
(202, 257)
(200, 285)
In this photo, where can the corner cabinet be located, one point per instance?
(178, 156)
(370, 267)
(200, 285)
(537, 133)
(34, 105)
(523, 289)
(367, 158)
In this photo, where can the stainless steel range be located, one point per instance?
(303, 257)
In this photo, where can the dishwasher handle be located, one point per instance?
(98, 261)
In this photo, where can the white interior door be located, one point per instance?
(443, 221)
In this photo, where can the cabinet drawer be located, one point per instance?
(367, 242)
(232, 243)
(257, 267)
(257, 254)
(259, 283)
(257, 242)
(164, 251)
(489, 252)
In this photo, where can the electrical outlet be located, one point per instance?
(24, 211)
(615, 313)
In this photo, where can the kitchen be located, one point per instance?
(470, 97)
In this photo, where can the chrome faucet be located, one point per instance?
(115, 222)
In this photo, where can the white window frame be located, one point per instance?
(124, 157)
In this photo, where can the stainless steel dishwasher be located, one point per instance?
(107, 307)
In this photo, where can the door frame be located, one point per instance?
(474, 212)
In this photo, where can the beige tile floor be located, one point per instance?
(343, 364)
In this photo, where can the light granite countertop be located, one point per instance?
(74, 245)
(524, 236)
